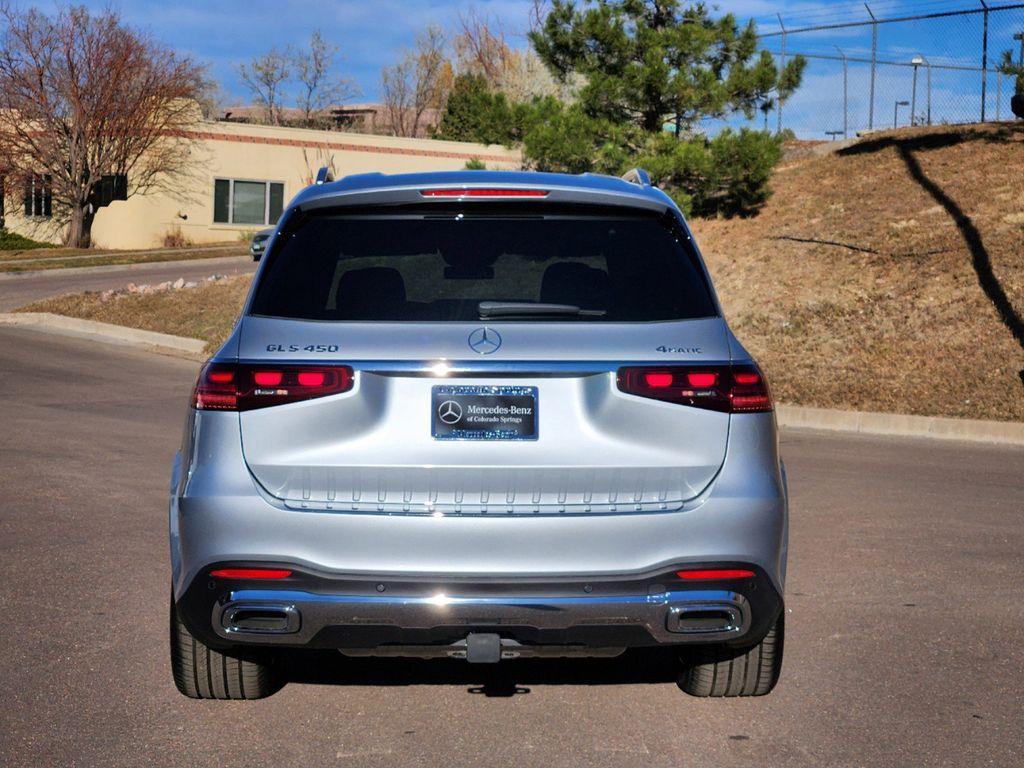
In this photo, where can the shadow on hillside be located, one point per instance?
(980, 259)
(509, 678)
(940, 139)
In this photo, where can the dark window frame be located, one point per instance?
(38, 197)
(268, 184)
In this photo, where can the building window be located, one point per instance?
(236, 201)
(39, 195)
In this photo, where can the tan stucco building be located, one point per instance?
(242, 176)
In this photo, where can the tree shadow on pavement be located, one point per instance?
(504, 679)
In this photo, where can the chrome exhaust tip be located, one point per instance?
(706, 619)
(261, 619)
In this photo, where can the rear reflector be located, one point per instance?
(480, 192)
(250, 573)
(241, 387)
(715, 574)
(726, 388)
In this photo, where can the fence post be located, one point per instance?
(984, 60)
(913, 100)
(846, 98)
(782, 65)
(874, 64)
(929, 67)
(999, 95)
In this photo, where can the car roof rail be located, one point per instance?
(324, 175)
(637, 176)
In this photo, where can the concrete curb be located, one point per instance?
(901, 425)
(117, 254)
(106, 333)
(144, 266)
(864, 422)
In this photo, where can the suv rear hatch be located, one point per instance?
(485, 343)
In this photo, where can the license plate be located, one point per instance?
(484, 413)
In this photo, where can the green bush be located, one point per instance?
(475, 113)
(9, 241)
(727, 175)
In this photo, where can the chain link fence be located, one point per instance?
(869, 69)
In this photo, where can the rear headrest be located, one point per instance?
(366, 293)
(569, 282)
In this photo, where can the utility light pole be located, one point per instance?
(917, 61)
(896, 111)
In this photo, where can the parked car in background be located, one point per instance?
(259, 243)
(479, 415)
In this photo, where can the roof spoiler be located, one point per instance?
(324, 175)
(637, 176)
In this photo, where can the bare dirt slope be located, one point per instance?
(888, 276)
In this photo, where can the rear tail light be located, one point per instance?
(250, 573)
(244, 387)
(715, 574)
(726, 388)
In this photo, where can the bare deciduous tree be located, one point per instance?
(481, 48)
(265, 76)
(320, 88)
(83, 96)
(421, 80)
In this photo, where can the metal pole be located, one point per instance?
(913, 100)
(846, 95)
(929, 65)
(984, 60)
(999, 95)
(896, 110)
(874, 64)
(782, 65)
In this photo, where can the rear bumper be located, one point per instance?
(525, 575)
(317, 611)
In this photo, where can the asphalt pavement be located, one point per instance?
(904, 643)
(20, 288)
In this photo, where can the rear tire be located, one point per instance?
(726, 672)
(201, 672)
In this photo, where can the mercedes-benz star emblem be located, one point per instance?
(484, 340)
(449, 411)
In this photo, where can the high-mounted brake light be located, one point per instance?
(243, 387)
(481, 192)
(715, 574)
(726, 388)
(250, 573)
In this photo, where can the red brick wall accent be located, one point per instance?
(338, 145)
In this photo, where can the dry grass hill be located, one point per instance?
(887, 276)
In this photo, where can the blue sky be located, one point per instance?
(371, 34)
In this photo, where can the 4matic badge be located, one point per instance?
(679, 350)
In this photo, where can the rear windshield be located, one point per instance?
(440, 267)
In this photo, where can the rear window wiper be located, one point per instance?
(493, 309)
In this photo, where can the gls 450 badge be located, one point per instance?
(679, 350)
(300, 348)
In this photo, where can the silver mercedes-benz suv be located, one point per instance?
(481, 415)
